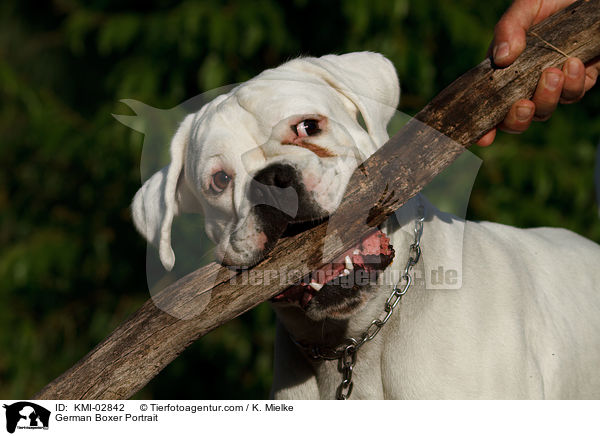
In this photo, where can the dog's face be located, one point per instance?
(277, 149)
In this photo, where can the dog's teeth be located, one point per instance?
(316, 286)
(356, 251)
(349, 265)
(344, 273)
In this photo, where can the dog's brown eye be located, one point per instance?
(220, 181)
(305, 128)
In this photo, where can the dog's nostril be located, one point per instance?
(276, 186)
(278, 175)
(283, 180)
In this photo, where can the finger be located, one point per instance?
(547, 93)
(591, 75)
(519, 117)
(487, 139)
(509, 33)
(574, 85)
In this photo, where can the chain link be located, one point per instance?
(346, 366)
(346, 354)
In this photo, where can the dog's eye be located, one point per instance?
(220, 180)
(306, 128)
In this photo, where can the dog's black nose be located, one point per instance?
(276, 186)
(280, 175)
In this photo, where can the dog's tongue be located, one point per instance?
(373, 254)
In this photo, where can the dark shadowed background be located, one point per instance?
(72, 267)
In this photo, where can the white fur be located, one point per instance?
(243, 131)
(526, 322)
(597, 178)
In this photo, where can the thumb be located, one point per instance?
(510, 32)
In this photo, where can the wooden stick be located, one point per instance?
(151, 338)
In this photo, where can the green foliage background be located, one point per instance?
(71, 264)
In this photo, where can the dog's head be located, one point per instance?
(277, 149)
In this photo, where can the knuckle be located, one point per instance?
(568, 100)
(542, 117)
(545, 102)
(500, 26)
(572, 95)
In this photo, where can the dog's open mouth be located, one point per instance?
(293, 229)
(356, 268)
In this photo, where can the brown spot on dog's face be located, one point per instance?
(319, 151)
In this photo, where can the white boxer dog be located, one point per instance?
(279, 150)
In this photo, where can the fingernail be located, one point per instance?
(552, 80)
(523, 113)
(573, 68)
(501, 52)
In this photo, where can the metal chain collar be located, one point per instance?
(346, 354)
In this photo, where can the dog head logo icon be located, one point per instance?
(26, 415)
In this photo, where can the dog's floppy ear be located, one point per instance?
(163, 196)
(368, 80)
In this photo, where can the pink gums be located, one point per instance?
(374, 253)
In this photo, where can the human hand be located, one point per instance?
(565, 86)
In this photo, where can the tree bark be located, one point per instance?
(162, 328)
